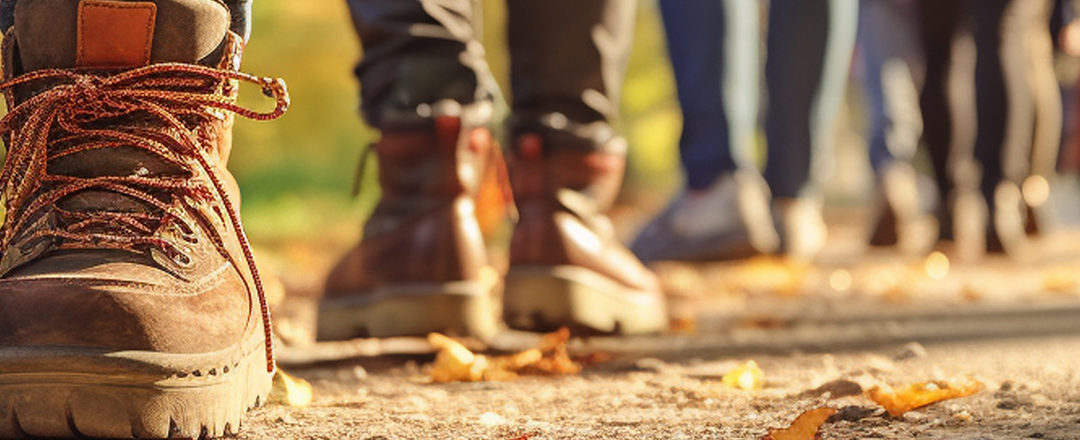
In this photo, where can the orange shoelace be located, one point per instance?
(157, 109)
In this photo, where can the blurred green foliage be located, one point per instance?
(297, 173)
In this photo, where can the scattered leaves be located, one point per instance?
(455, 363)
(805, 427)
(683, 325)
(747, 376)
(1061, 280)
(765, 322)
(593, 358)
(917, 395)
(782, 276)
(291, 391)
(556, 357)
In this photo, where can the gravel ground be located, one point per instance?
(1032, 390)
(1014, 326)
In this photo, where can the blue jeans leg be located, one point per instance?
(889, 56)
(714, 53)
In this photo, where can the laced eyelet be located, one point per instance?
(182, 260)
(170, 99)
(187, 233)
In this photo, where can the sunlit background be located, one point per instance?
(297, 173)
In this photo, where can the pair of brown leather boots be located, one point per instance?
(130, 303)
(422, 265)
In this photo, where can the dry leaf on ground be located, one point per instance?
(747, 376)
(805, 427)
(917, 395)
(291, 391)
(1062, 279)
(780, 276)
(455, 363)
(593, 358)
(556, 357)
(683, 325)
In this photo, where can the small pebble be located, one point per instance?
(914, 416)
(651, 364)
(852, 413)
(492, 419)
(962, 416)
(1008, 404)
(912, 350)
(836, 388)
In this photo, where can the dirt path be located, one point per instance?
(1013, 326)
(1032, 391)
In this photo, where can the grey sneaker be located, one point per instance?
(729, 220)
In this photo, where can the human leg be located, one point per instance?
(421, 264)
(723, 212)
(567, 163)
(809, 50)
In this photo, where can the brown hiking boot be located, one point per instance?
(567, 268)
(422, 266)
(130, 305)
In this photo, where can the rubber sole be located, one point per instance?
(73, 392)
(461, 308)
(544, 298)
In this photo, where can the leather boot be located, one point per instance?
(422, 265)
(567, 268)
(130, 305)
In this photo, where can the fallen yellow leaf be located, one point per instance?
(556, 358)
(291, 391)
(780, 276)
(917, 395)
(805, 427)
(747, 376)
(1061, 280)
(455, 363)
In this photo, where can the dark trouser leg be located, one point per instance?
(417, 52)
(992, 96)
(809, 50)
(567, 59)
(714, 53)
(938, 20)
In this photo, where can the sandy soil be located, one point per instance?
(1013, 326)
(1032, 391)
